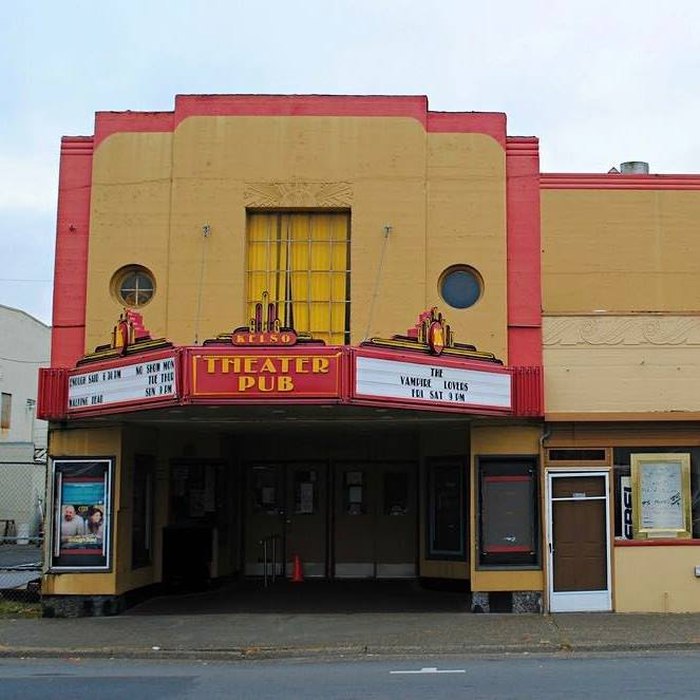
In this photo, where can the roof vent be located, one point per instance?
(634, 167)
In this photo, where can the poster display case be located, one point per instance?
(661, 495)
(82, 514)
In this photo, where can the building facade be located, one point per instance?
(24, 347)
(355, 336)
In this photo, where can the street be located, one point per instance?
(637, 676)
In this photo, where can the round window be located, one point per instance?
(460, 286)
(133, 286)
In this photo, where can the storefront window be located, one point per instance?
(624, 506)
(395, 493)
(446, 509)
(193, 491)
(508, 531)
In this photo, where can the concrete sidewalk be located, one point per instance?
(260, 635)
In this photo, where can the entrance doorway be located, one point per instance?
(579, 537)
(286, 514)
(375, 520)
(343, 519)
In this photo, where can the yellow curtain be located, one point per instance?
(302, 260)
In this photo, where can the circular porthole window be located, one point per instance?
(460, 286)
(133, 286)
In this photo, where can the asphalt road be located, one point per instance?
(636, 677)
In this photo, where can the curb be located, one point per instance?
(263, 653)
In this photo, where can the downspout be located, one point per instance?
(546, 434)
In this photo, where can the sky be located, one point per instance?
(598, 81)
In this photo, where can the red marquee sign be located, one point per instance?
(289, 374)
(263, 362)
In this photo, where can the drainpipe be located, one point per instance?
(546, 434)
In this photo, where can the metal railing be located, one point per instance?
(271, 546)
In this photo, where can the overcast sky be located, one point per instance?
(598, 81)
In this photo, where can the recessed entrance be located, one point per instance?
(579, 535)
(343, 520)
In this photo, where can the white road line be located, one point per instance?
(432, 669)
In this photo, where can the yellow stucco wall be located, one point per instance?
(101, 442)
(124, 445)
(622, 363)
(620, 250)
(442, 194)
(657, 579)
(515, 440)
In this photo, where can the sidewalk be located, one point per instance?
(268, 635)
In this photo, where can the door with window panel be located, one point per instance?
(286, 515)
(375, 520)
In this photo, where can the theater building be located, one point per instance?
(351, 338)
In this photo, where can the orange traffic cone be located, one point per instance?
(297, 570)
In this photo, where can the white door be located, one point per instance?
(579, 541)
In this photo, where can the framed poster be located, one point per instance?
(661, 495)
(82, 514)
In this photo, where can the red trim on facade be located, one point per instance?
(108, 123)
(415, 106)
(528, 391)
(506, 479)
(524, 253)
(617, 181)
(505, 549)
(491, 123)
(52, 396)
(658, 543)
(410, 106)
(72, 235)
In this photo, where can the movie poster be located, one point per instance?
(82, 514)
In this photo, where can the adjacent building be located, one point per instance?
(24, 347)
(359, 337)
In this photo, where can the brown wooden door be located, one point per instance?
(579, 542)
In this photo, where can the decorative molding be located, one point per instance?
(617, 181)
(527, 146)
(298, 194)
(610, 331)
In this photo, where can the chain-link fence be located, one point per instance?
(22, 501)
